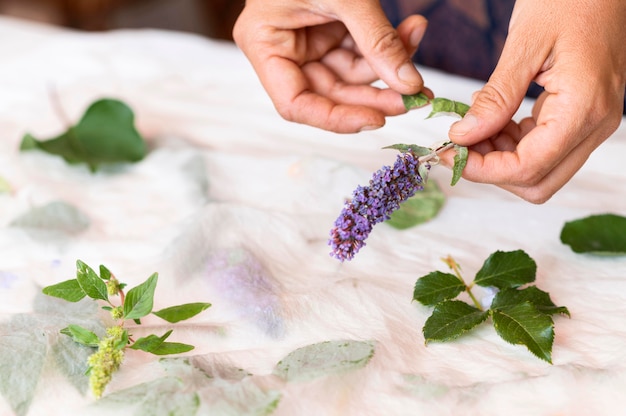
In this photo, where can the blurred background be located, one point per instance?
(213, 18)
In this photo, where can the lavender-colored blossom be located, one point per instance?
(372, 204)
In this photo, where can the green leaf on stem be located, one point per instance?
(524, 324)
(151, 342)
(105, 274)
(507, 298)
(415, 101)
(168, 348)
(81, 335)
(140, 299)
(406, 148)
(68, 290)
(444, 106)
(597, 234)
(506, 269)
(105, 134)
(420, 208)
(90, 282)
(179, 313)
(460, 160)
(450, 319)
(437, 286)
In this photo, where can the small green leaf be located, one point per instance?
(324, 358)
(139, 300)
(436, 287)
(418, 209)
(105, 134)
(150, 343)
(444, 106)
(168, 348)
(510, 297)
(81, 335)
(406, 148)
(89, 281)
(460, 160)
(525, 325)
(105, 274)
(415, 101)
(450, 319)
(505, 269)
(68, 290)
(597, 234)
(179, 313)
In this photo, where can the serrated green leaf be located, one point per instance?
(90, 282)
(415, 101)
(444, 106)
(329, 357)
(179, 313)
(105, 134)
(524, 324)
(460, 161)
(507, 269)
(510, 297)
(421, 207)
(81, 335)
(450, 319)
(406, 148)
(68, 290)
(597, 234)
(150, 343)
(140, 299)
(436, 287)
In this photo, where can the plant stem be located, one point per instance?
(433, 157)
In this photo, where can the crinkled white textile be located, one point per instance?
(233, 206)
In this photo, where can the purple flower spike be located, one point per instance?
(372, 204)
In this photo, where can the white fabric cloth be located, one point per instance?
(233, 206)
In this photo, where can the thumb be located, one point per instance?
(382, 47)
(496, 103)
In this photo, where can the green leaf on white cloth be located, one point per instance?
(179, 313)
(55, 216)
(436, 287)
(140, 299)
(325, 358)
(106, 133)
(507, 269)
(451, 319)
(603, 234)
(420, 208)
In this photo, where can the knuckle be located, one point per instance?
(493, 95)
(384, 39)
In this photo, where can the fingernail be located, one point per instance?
(464, 126)
(408, 74)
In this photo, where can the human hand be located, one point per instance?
(576, 50)
(317, 60)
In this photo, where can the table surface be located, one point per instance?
(233, 206)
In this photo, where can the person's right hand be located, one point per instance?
(317, 60)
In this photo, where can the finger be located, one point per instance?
(381, 45)
(325, 82)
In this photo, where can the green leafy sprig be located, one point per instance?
(521, 313)
(135, 304)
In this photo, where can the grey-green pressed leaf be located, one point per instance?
(603, 234)
(90, 282)
(105, 134)
(507, 298)
(324, 358)
(523, 324)
(451, 319)
(140, 299)
(421, 207)
(68, 290)
(406, 148)
(436, 287)
(151, 342)
(415, 101)
(460, 161)
(506, 269)
(179, 313)
(54, 216)
(444, 106)
(81, 335)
